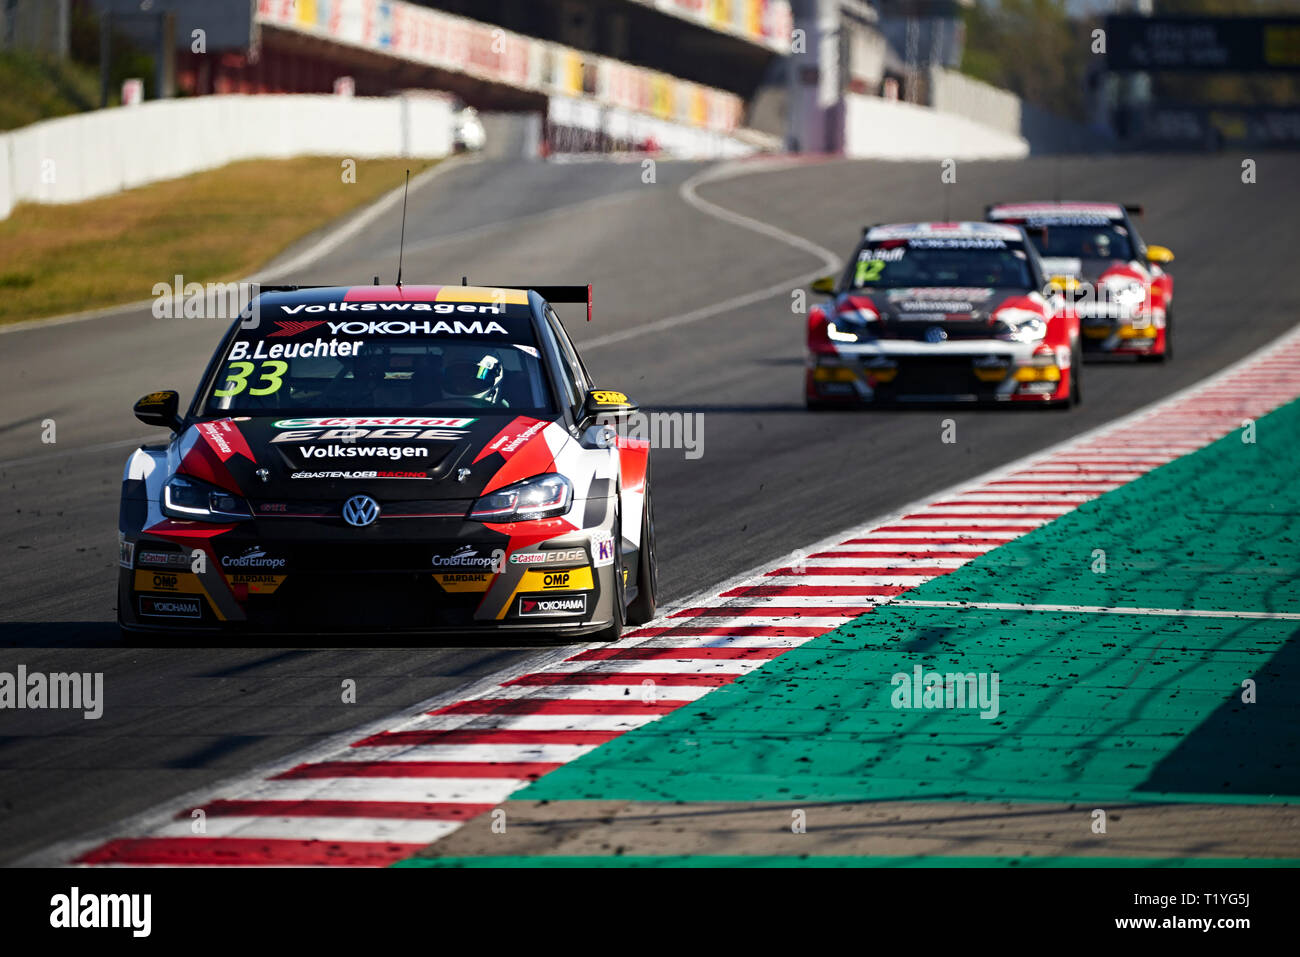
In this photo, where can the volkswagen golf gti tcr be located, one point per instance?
(390, 458)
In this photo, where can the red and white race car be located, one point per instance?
(941, 312)
(1114, 280)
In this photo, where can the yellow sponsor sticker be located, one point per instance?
(464, 581)
(606, 397)
(258, 583)
(557, 579)
(179, 582)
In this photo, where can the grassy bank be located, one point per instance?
(40, 87)
(215, 226)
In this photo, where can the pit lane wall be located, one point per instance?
(964, 119)
(955, 93)
(75, 158)
(876, 128)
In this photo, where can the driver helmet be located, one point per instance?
(370, 368)
(473, 374)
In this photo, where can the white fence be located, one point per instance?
(80, 157)
(887, 129)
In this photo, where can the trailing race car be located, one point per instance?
(1115, 281)
(941, 312)
(379, 458)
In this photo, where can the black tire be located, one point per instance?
(642, 608)
(1076, 377)
(1076, 384)
(1168, 354)
(615, 629)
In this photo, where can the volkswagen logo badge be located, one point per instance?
(935, 334)
(360, 510)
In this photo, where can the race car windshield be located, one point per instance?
(1082, 242)
(903, 265)
(384, 373)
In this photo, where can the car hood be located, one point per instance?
(283, 458)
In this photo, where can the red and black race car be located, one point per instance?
(1115, 281)
(941, 312)
(379, 458)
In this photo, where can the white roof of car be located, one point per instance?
(1047, 210)
(969, 230)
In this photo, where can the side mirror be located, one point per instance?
(605, 402)
(1159, 254)
(1063, 283)
(824, 284)
(160, 408)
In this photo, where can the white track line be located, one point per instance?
(1102, 609)
(830, 262)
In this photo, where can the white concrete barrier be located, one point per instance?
(886, 129)
(953, 92)
(6, 197)
(74, 158)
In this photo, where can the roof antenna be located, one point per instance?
(464, 280)
(1059, 161)
(401, 246)
(376, 280)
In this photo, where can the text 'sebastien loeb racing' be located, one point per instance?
(376, 458)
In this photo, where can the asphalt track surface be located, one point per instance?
(772, 477)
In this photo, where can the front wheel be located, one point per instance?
(1075, 396)
(1076, 376)
(642, 608)
(615, 629)
(1168, 353)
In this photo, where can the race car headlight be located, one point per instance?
(542, 497)
(1028, 327)
(851, 325)
(197, 501)
(840, 335)
(1125, 292)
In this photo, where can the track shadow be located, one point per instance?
(104, 634)
(59, 634)
(1243, 748)
(886, 410)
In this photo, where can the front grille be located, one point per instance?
(960, 329)
(935, 376)
(362, 602)
(414, 508)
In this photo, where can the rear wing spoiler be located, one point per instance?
(554, 294)
(1135, 208)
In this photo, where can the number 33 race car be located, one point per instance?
(387, 458)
